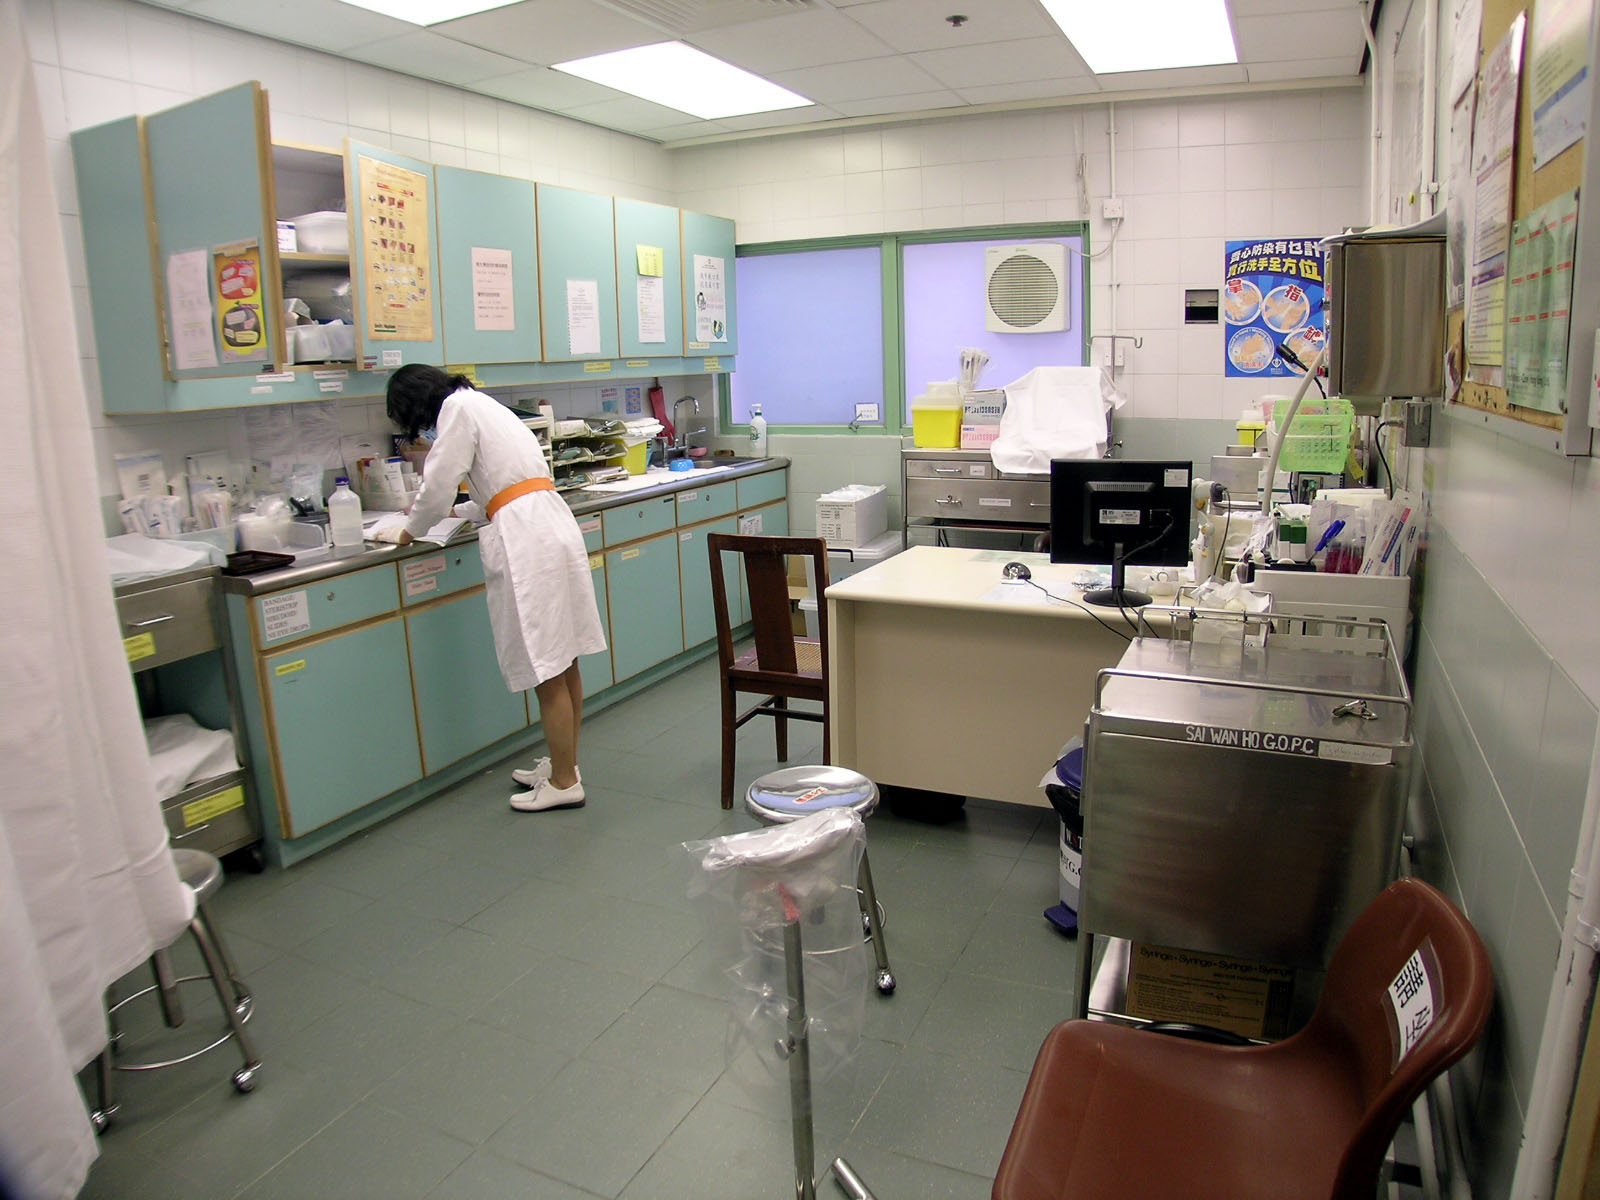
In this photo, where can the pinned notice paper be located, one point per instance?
(651, 260)
(583, 317)
(652, 310)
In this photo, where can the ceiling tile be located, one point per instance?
(1269, 8)
(858, 80)
(692, 129)
(1305, 35)
(540, 87)
(552, 31)
(885, 105)
(1330, 68)
(1176, 77)
(320, 24)
(1003, 62)
(1036, 89)
(785, 116)
(429, 56)
(912, 25)
(785, 43)
(627, 113)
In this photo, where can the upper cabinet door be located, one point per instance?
(709, 326)
(649, 280)
(210, 178)
(577, 274)
(488, 267)
(394, 258)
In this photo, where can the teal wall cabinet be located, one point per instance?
(488, 267)
(710, 239)
(655, 227)
(577, 274)
(462, 700)
(646, 611)
(394, 282)
(595, 669)
(345, 731)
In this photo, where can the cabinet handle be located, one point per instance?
(1038, 504)
(949, 500)
(331, 595)
(178, 837)
(157, 620)
(947, 470)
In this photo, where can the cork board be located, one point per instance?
(1530, 190)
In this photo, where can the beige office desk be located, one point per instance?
(942, 676)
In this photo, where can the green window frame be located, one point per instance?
(896, 420)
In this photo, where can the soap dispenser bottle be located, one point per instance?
(758, 432)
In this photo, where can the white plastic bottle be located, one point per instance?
(344, 514)
(758, 432)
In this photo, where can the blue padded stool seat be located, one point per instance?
(790, 793)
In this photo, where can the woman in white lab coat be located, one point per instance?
(539, 587)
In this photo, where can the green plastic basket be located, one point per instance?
(1318, 439)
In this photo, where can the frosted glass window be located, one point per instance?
(943, 287)
(810, 335)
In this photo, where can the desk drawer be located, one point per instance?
(933, 468)
(429, 576)
(634, 521)
(286, 616)
(763, 489)
(999, 501)
(215, 816)
(165, 624)
(593, 531)
(706, 503)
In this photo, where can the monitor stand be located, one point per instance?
(1118, 595)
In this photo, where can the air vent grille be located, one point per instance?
(1023, 291)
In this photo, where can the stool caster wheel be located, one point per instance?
(244, 1079)
(886, 982)
(100, 1118)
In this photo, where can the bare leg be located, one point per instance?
(574, 680)
(560, 725)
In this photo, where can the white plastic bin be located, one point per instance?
(844, 562)
(322, 233)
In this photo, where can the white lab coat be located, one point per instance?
(540, 589)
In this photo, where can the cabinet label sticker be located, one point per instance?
(285, 616)
(596, 368)
(422, 586)
(750, 523)
(420, 568)
(592, 525)
(141, 645)
(627, 554)
(689, 497)
(596, 561)
(1286, 743)
(993, 502)
(713, 364)
(976, 470)
(289, 668)
(207, 808)
(686, 537)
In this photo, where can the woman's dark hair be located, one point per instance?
(416, 392)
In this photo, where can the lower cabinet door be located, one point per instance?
(596, 668)
(694, 564)
(646, 608)
(462, 701)
(343, 725)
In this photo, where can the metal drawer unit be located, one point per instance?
(1249, 808)
(960, 489)
(168, 618)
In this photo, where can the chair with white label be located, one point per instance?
(1112, 1111)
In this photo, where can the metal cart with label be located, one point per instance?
(1243, 800)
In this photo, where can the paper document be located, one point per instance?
(386, 527)
(652, 310)
(583, 317)
(189, 294)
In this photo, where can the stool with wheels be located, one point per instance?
(202, 873)
(790, 793)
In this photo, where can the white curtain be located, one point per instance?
(87, 886)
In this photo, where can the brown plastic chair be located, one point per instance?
(781, 667)
(1112, 1111)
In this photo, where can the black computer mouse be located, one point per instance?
(1016, 570)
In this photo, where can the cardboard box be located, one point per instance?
(1248, 998)
(980, 418)
(853, 515)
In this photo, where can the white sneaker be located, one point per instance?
(530, 777)
(544, 796)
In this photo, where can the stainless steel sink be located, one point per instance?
(737, 460)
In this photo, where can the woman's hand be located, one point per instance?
(405, 538)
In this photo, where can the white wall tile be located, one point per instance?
(93, 37)
(482, 124)
(95, 99)
(366, 92)
(863, 151)
(446, 116)
(1247, 119)
(159, 53)
(1201, 168)
(981, 183)
(1201, 123)
(52, 100)
(1204, 214)
(324, 89)
(39, 27)
(1249, 213)
(408, 106)
(863, 193)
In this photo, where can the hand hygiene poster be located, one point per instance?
(1272, 297)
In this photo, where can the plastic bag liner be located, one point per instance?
(748, 887)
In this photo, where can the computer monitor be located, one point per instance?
(1120, 511)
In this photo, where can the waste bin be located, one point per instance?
(1063, 787)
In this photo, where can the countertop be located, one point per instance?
(342, 559)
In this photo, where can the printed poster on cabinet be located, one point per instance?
(1272, 307)
(241, 327)
(397, 289)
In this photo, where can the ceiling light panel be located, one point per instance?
(429, 12)
(686, 79)
(1146, 35)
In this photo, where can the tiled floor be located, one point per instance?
(468, 1002)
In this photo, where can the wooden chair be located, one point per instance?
(780, 667)
(1113, 1113)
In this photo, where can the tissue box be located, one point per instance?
(853, 515)
(980, 418)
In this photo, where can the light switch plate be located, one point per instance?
(866, 412)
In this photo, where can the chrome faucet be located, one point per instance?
(683, 431)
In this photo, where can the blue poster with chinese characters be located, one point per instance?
(1273, 319)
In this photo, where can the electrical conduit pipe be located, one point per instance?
(1283, 426)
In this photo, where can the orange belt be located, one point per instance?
(506, 495)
